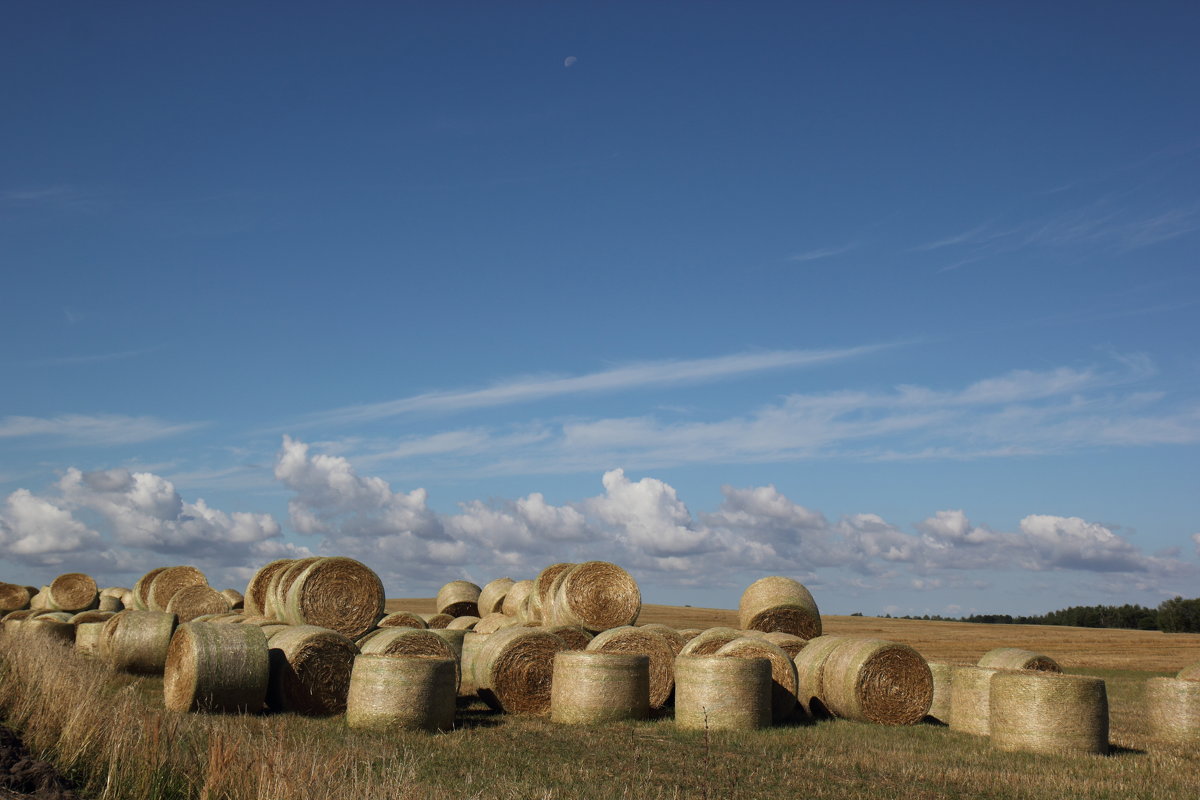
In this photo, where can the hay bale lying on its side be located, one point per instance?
(778, 603)
(514, 668)
(272, 629)
(1016, 658)
(216, 668)
(196, 601)
(107, 634)
(393, 693)
(310, 670)
(413, 642)
(463, 623)
(647, 642)
(783, 671)
(1173, 710)
(597, 596)
(281, 584)
(677, 642)
(237, 600)
(438, 621)
(872, 680)
(1047, 712)
(494, 622)
(810, 666)
(140, 641)
(1190, 672)
(491, 597)
(708, 642)
(255, 597)
(689, 633)
(73, 592)
(336, 593)
(170, 582)
(943, 690)
(590, 687)
(141, 590)
(452, 638)
(402, 619)
(514, 599)
(90, 616)
(459, 599)
(13, 597)
(472, 644)
(718, 693)
(788, 642)
(970, 699)
(573, 636)
(537, 604)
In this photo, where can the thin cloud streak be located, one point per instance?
(93, 429)
(825, 252)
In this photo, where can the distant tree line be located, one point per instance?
(1172, 616)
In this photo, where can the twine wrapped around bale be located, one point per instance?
(591, 687)
(872, 680)
(575, 637)
(537, 605)
(514, 668)
(783, 671)
(438, 621)
(417, 643)
(491, 597)
(1190, 672)
(777, 603)
(943, 690)
(648, 642)
(255, 597)
(463, 623)
(310, 670)
(389, 693)
(708, 642)
(107, 633)
(87, 638)
(494, 622)
(336, 593)
(196, 601)
(216, 668)
(472, 644)
(459, 599)
(514, 599)
(1047, 712)
(788, 642)
(810, 665)
(141, 590)
(170, 582)
(597, 596)
(13, 597)
(718, 693)
(281, 584)
(1016, 658)
(140, 642)
(1173, 710)
(236, 599)
(970, 699)
(402, 619)
(73, 592)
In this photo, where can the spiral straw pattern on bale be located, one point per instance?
(970, 699)
(647, 642)
(256, 590)
(310, 670)
(672, 635)
(402, 619)
(141, 590)
(452, 638)
(459, 599)
(1016, 658)
(810, 666)
(1047, 712)
(939, 708)
(73, 591)
(718, 693)
(140, 642)
(514, 599)
(1173, 710)
(514, 668)
(216, 668)
(708, 642)
(394, 693)
(788, 642)
(777, 603)
(13, 597)
(336, 593)
(1190, 672)
(491, 597)
(281, 584)
(87, 638)
(573, 636)
(541, 596)
(416, 643)
(597, 596)
(872, 680)
(438, 621)
(590, 687)
(783, 671)
(196, 601)
(170, 581)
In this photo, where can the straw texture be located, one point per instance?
(73, 591)
(1016, 658)
(494, 622)
(788, 642)
(13, 597)
(236, 599)
(472, 644)
(718, 693)
(403, 619)
(87, 638)
(107, 633)
(708, 642)
(575, 637)
(677, 642)
(110, 603)
(514, 668)
(939, 708)
(459, 599)
(140, 641)
(141, 590)
(169, 582)
(872, 680)
(50, 628)
(1047, 712)
(401, 693)
(590, 687)
(216, 668)
(1190, 672)
(452, 638)
(491, 597)
(810, 665)
(778, 603)
(643, 641)
(336, 593)
(783, 671)
(514, 599)
(310, 670)
(970, 699)
(438, 621)
(540, 597)
(463, 623)
(281, 582)
(417, 643)
(1173, 710)
(196, 601)
(90, 616)
(597, 596)
(256, 589)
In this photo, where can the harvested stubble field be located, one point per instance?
(124, 745)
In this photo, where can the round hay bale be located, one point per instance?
(368, 636)
(90, 616)
(872, 680)
(236, 599)
(970, 699)
(60, 616)
(196, 601)
(272, 629)
(169, 582)
(49, 628)
(110, 603)
(718, 693)
(708, 642)
(141, 590)
(939, 708)
(1190, 672)
(73, 591)
(107, 633)
(597, 596)
(514, 599)
(463, 623)
(336, 593)
(647, 642)
(1173, 710)
(452, 638)
(573, 636)
(438, 621)
(459, 599)
(1016, 658)
(783, 671)
(38, 601)
(13, 597)
(216, 668)
(127, 600)
(514, 669)
(777, 603)
(677, 641)
(87, 638)
(402, 619)
(494, 622)
(417, 643)
(281, 584)
(310, 670)
(19, 614)
(1047, 712)
(390, 693)
(810, 665)
(788, 642)
(491, 596)
(690, 633)
(255, 598)
(591, 687)
(472, 643)
(537, 605)
(141, 640)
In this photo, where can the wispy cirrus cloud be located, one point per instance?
(823, 252)
(93, 429)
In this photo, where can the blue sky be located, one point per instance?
(898, 299)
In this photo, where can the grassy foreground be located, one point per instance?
(109, 732)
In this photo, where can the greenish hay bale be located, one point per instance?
(1047, 712)
(310, 670)
(708, 642)
(590, 687)
(783, 671)
(281, 584)
(1173, 710)
(141, 641)
(1190, 672)
(647, 642)
(195, 601)
(236, 599)
(970, 699)
(87, 638)
(48, 628)
(459, 599)
(1016, 658)
(255, 597)
(597, 596)
(107, 634)
(463, 623)
(537, 606)
(494, 622)
(810, 664)
(438, 621)
(170, 582)
(788, 642)
(491, 596)
(402, 619)
(141, 590)
(336, 593)
(472, 643)
(514, 669)
(216, 668)
(13, 597)
(110, 603)
(778, 603)
(73, 592)
(452, 638)
(573, 636)
(514, 599)
(414, 642)
(718, 693)
(943, 691)
(398, 693)
(873, 680)
(90, 616)
(677, 641)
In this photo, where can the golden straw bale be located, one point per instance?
(1048, 712)
(255, 597)
(472, 643)
(494, 622)
(1016, 658)
(272, 629)
(491, 597)
(872, 680)
(514, 668)
(395, 693)
(452, 638)
(647, 642)
(73, 591)
(514, 599)
(281, 583)
(1173, 710)
(1190, 672)
(170, 581)
(216, 668)
(459, 599)
(87, 637)
(590, 687)
(107, 633)
(90, 616)
(402, 619)
(597, 596)
(140, 642)
(438, 621)
(110, 603)
(690, 633)
(575, 637)
(778, 603)
(418, 643)
(718, 693)
(939, 708)
(310, 670)
(463, 623)
(783, 671)
(788, 642)
(677, 641)
(336, 593)
(810, 664)
(541, 596)
(970, 699)
(13, 597)
(141, 590)
(237, 600)
(37, 600)
(196, 601)
(708, 642)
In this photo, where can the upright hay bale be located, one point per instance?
(537, 605)
(459, 599)
(169, 582)
(788, 642)
(402, 619)
(13, 597)
(514, 668)
(216, 668)
(141, 590)
(255, 601)
(514, 599)
(310, 670)
(597, 596)
(810, 666)
(1173, 710)
(939, 709)
(463, 623)
(872, 680)
(573, 636)
(591, 687)
(708, 642)
(87, 638)
(140, 641)
(1047, 712)
(491, 597)
(393, 693)
(196, 601)
(647, 642)
(783, 672)
(970, 699)
(438, 621)
(777, 603)
(336, 593)
(413, 642)
(73, 591)
(1190, 672)
(718, 693)
(1016, 658)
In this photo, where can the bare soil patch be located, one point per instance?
(23, 777)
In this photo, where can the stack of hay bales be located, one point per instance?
(777, 603)
(1016, 658)
(491, 597)
(645, 641)
(169, 582)
(1048, 712)
(255, 597)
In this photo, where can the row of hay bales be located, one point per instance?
(181, 590)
